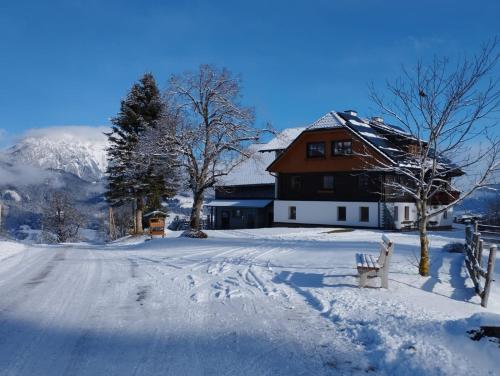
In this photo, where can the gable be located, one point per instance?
(295, 160)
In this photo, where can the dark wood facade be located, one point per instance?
(302, 173)
(315, 186)
(255, 191)
(237, 217)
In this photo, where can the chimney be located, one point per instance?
(378, 119)
(351, 112)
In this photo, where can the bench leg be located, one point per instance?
(362, 279)
(384, 278)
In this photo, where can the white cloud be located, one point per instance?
(70, 132)
(24, 175)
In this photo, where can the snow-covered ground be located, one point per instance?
(250, 302)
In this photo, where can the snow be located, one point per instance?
(11, 195)
(359, 123)
(251, 170)
(329, 120)
(389, 148)
(372, 135)
(282, 139)
(275, 301)
(240, 203)
(185, 201)
(80, 150)
(9, 249)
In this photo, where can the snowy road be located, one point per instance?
(267, 302)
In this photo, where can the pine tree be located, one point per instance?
(128, 179)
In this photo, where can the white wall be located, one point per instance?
(325, 213)
(441, 221)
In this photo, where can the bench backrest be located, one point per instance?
(386, 249)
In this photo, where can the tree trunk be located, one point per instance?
(423, 267)
(138, 215)
(194, 221)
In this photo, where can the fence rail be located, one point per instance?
(475, 243)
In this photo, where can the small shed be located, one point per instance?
(156, 222)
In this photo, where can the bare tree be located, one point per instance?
(215, 129)
(60, 219)
(493, 209)
(445, 109)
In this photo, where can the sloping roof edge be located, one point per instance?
(346, 126)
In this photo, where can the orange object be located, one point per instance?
(157, 226)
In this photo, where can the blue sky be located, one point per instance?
(70, 62)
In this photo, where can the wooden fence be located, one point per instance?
(478, 238)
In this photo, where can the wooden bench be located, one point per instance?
(368, 266)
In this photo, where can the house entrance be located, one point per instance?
(225, 219)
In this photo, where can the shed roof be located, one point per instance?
(240, 203)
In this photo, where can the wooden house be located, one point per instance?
(326, 176)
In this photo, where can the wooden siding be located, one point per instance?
(347, 187)
(295, 160)
(258, 191)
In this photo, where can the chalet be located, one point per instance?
(326, 176)
(244, 198)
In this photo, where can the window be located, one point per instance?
(407, 213)
(364, 214)
(328, 182)
(396, 213)
(413, 149)
(341, 213)
(296, 183)
(236, 213)
(341, 147)
(315, 150)
(363, 181)
(445, 214)
(292, 212)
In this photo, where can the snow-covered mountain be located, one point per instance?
(72, 158)
(79, 150)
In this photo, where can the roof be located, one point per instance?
(387, 139)
(251, 171)
(282, 139)
(330, 120)
(240, 203)
(156, 213)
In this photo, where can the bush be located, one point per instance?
(198, 234)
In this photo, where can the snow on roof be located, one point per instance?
(252, 170)
(390, 128)
(283, 139)
(373, 135)
(330, 120)
(240, 203)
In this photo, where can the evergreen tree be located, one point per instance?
(128, 178)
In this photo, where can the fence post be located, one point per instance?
(489, 275)
(480, 253)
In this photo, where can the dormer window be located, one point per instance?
(413, 149)
(342, 147)
(316, 150)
